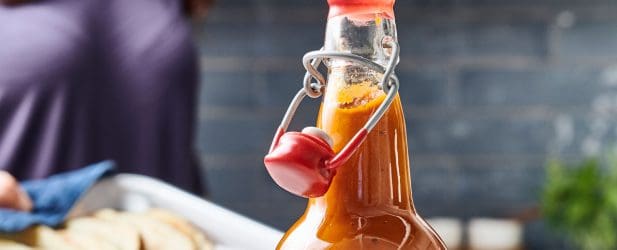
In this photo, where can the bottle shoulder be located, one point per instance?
(404, 230)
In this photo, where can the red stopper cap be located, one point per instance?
(346, 7)
(298, 163)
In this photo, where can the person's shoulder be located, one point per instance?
(44, 37)
(136, 26)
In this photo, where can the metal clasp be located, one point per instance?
(311, 60)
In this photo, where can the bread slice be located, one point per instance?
(41, 237)
(155, 235)
(122, 237)
(85, 240)
(12, 245)
(183, 226)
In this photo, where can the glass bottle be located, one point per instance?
(369, 203)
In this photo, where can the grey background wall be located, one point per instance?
(491, 89)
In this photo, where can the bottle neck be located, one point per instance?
(365, 35)
(378, 173)
(361, 34)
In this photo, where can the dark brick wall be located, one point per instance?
(491, 89)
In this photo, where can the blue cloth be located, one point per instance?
(53, 197)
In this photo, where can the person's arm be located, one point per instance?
(12, 196)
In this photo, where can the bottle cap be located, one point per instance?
(347, 7)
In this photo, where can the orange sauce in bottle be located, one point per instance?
(369, 204)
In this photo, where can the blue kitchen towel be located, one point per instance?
(53, 197)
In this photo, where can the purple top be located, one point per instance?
(82, 81)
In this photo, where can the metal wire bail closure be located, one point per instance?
(303, 164)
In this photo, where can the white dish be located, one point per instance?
(130, 192)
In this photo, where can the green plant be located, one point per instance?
(581, 201)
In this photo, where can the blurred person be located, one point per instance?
(83, 81)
